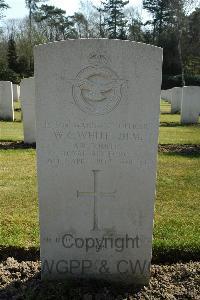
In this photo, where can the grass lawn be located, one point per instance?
(177, 205)
(11, 131)
(165, 107)
(178, 192)
(18, 201)
(189, 134)
(17, 112)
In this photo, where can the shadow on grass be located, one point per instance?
(165, 113)
(166, 255)
(19, 254)
(161, 254)
(180, 149)
(13, 145)
(177, 124)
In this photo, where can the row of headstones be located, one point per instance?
(185, 100)
(9, 92)
(26, 93)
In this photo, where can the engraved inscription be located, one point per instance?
(86, 142)
(96, 194)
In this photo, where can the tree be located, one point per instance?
(57, 25)
(160, 10)
(115, 19)
(3, 6)
(82, 24)
(194, 31)
(12, 55)
(101, 22)
(32, 6)
(135, 32)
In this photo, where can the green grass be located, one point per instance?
(165, 107)
(18, 201)
(168, 118)
(178, 193)
(189, 134)
(17, 111)
(12, 131)
(177, 205)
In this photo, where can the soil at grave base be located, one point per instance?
(181, 149)
(15, 145)
(21, 280)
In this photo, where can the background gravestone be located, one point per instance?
(28, 109)
(97, 132)
(190, 107)
(16, 92)
(166, 95)
(176, 98)
(6, 101)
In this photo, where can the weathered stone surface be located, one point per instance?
(166, 95)
(97, 119)
(190, 106)
(28, 109)
(6, 101)
(16, 92)
(177, 95)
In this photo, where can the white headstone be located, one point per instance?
(6, 101)
(28, 109)
(190, 106)
(97, 131)
(16, 92)
(177, 94)
(166, 95)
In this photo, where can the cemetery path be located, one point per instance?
(21, 280)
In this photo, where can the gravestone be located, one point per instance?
(28, 109)
(176, 99)
(6, 101)
(169, 95)
(16, 92)
(190, 106)
(97, 131)
(166, 95)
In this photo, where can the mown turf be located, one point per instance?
(178, 134)
(18, 201)
(165, 107)
(11, 131)
(177, 205)
(178, 192)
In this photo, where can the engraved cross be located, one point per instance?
(96, 194)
